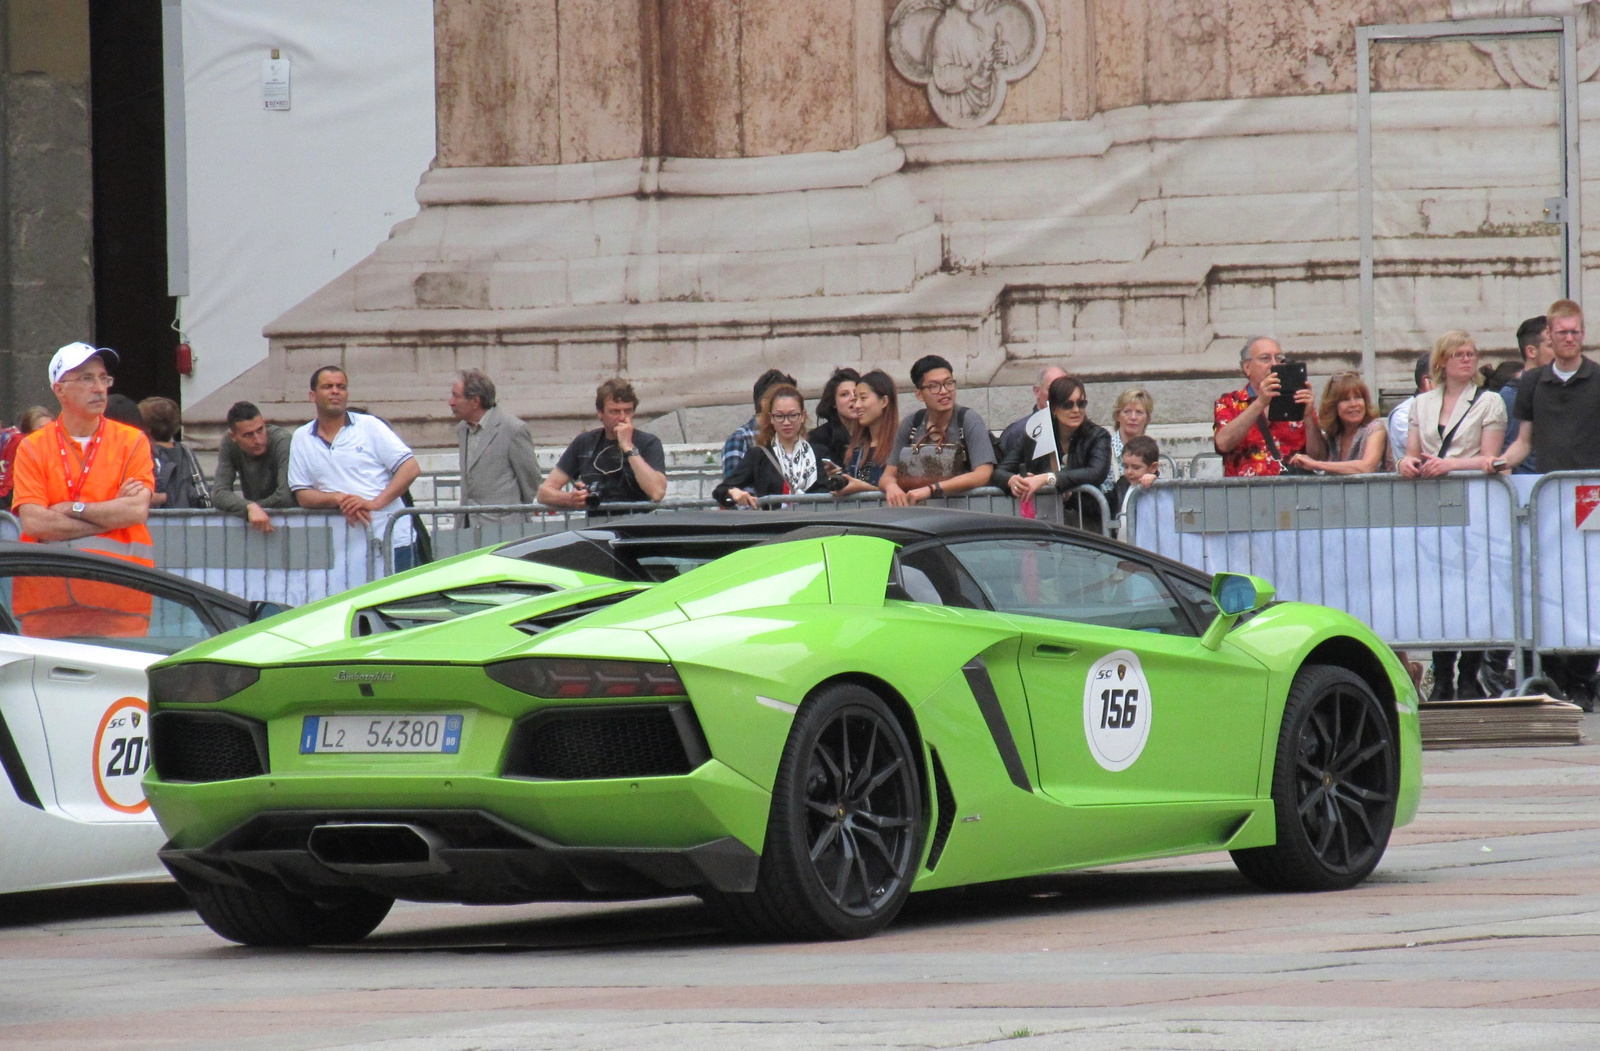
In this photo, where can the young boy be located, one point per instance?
(1141, 463)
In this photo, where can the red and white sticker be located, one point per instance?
(1588, 500)
(1116, 710)
(122, 755)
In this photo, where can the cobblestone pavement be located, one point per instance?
(1480, 930)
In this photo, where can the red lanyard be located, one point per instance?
(74, 489)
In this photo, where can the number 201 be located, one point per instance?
(1119, 709)
(128, 757)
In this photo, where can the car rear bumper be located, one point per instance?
(468, 856)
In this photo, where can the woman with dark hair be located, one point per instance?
(179, 480)
(1082, 457)
(782, 460)
(877, 419)
(1358, 438)
(836, 408)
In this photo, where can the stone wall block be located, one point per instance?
(498, 93)
(700, 79)
(1242, 303)
(792, 58)
(384, 288)
(371, 368)
(1121, 58)
(1254, 218)
(520, 286)
(1037, 97)
(586, 363)
(523, 363)
(871, 71)
(460, 289)
(881, 349)
(598, 280)
(780, 276)
(1188, 51)
(602, 80)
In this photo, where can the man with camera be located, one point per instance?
(612, 463)
(1260, 428)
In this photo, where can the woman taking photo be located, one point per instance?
(837, 411)
(1457, 426)
(1083, 454)
(781, 461)
(1358, 438)
(877, 419)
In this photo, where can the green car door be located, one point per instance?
(1126, 705)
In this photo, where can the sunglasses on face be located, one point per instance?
(1075, 403)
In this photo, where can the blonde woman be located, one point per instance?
(1455, 426)
(1358, 439)
(1131, 413)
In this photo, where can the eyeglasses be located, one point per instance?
(88, 380)
(786, 417)
(1075, 403)
(946, 387)
(1464, 355)
(1574, 334)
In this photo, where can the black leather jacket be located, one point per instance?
(1087, 460)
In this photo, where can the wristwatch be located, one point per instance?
(631, 452)
(77, 508)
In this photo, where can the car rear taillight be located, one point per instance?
(568, 677)
(201, 682)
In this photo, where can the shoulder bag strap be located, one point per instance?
(1266, 436)
(1444, 446)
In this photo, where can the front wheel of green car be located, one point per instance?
(1333, 786)
(274, 916)
(845, 831)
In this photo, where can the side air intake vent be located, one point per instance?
(207, 746)
(436, 607)
(946, 818)
(592, 743)
(538, 625)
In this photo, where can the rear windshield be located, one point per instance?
(606, 553)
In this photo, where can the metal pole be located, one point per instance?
(1369, 338)
(1572, 184)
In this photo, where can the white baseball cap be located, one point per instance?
(72, 355)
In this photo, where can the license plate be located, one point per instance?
(381, 733)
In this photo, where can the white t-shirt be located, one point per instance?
(361, 461)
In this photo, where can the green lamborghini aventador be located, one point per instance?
(799, 717)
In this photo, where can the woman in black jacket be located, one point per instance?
(1084, 456)
(782, 460)
(836, 409)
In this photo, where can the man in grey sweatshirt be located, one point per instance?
(252, 468)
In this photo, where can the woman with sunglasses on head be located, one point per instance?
(1358, 438)
(782, 460)
(836, 409)
(1083, 455)
(877, 420)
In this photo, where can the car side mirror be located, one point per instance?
(1234, 594)
(262, 610)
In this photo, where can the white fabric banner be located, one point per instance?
(282, 201)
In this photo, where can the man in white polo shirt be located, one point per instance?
(353, 463)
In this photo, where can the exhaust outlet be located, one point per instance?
(377, 849)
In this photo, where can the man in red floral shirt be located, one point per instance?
(1240, 417)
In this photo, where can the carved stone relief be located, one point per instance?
(966, 52)
(1535, 63)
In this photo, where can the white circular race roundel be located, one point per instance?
(1116, 710)
(121, 755)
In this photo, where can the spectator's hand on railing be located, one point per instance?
(1304, 462)
(742, 498)
(356, 511)
(1409, 467)
(895, 496)
(258, 518)
(1024, 486)
(1434, 467)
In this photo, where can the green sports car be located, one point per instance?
(799, 717)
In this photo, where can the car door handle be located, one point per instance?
(1054, 651)
(62, 673)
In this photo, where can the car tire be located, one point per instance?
(846, 828)
(1334, 786)
(259, 915)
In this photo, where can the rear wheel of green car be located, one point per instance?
(846, 826)
(1333, 787)
(274, 916)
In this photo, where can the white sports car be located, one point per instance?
(76, 633)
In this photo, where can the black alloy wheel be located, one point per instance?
(846, 828)
(1334, 786)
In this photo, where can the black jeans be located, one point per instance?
(1455, 675)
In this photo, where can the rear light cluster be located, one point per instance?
(200, 682)
(561, 677)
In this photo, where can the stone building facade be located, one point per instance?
(687, 192)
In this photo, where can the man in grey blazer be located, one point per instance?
(497, 457)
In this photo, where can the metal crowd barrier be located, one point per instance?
(498, 523)
(10, 528)
(309, 555)
(1428, 563)
(1563, 543)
